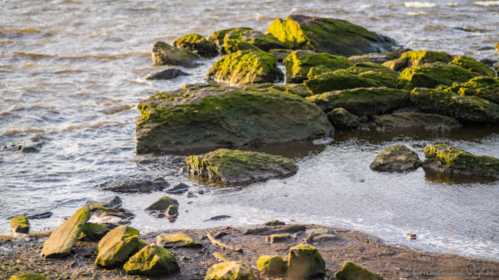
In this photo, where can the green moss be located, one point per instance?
(299, 63)
(20, 224)
(433, 75)
(152, 261)
(197, 44)
(218, 37)
(117, 246)
(484, 87)
(338, 80)
(164, 54)
(473, 65)
(248, 39)
(305, 262)
(363, 101)
(28, 276)
(245, 67)
(273, 266)
(352, 271)
(229, 271)
(416, 58)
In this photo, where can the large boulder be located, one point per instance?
(197, 44)
(236, 167)
(396, 158)
(353, 271)
(416, 58)
(229, 270)
(435, 74)
(414, 121)
(62, 239)
(454, 162)
(328, 35)
(463, 108)
(28, 276)
(484, 87)
(241, 39)
(298, 64)
(117, 246)
(152, 260)
(245, 67)
(305, 262)
(272, 266)
(363, 101)
(164, 54)
(206, 117)
(19, 224)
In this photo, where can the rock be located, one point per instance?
(176, 240)
(241, 39)
(197, 44)
(40, 216)
(114, 203)
(272, 266)
(352, 271)
(396, 158)
(28, 276)
(117, 246)
(328, 35)
(135, 185)
(62, 239)
(342, 119)
(218, 218)
(483, 87)
(164, 54)
(168, 74)
(362, 101)
(111, 216)
(205, 117)
(414, 121)
(298, 64)
(171, 213)
(338, 80)
(454, 162)
(268, 230)
(179, 188)
(245, 67)
(229, 270)
(158, 208)
(218, 37)
(278, 238)
(305, 262)
(416, 58)
(152, 260)
(19, 224)
(463, 108)
(473, 65)
(319, 235)
(94, 232)
(236, 167)
(433, 75)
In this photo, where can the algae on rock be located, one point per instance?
(230, 270)
(484, 87)
(298, 64)
(19, 224)
(241, 39)
(305, 262)
(353, 271)
(152, 260)
(117, 246)
(435, 74)
(416, 58)
(164, 54)
(197, 44)
(272, 266)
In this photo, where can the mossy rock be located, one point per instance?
(436, 74)
(396, 158)
(229, 270)
(248, 39)
(93, 231)
(117, 246)
(152, 260)
(338, 80)
(414, 122)
(483, 87)
(218, 37)
(352, 271)
(236, 167)
(451, 161)
(62, 239)
(159, 207)
(328, 35)
(200, 118)
(197, 44)
(342, 119)
(363, 101)
(273, 266)
(245, 67)
(164, 54)
(473, 65)
(19, 224)
(176, 240)
(416, 58)
(299, 63)
(463, 108)
(305, 262)
(28, 276)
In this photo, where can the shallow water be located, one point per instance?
(71, 73)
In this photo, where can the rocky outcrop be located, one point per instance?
(396, 158)
(206, 117)
(353, 271)
(299, 63)
(305, 262)
(236, 167)
(436, 74)
(327, 35)
(19, 224)
(164, 54)
(272, 266)
(483, 87)
(117, 246)
(152, 260)
(414, 121)
(230, 270)
(197, 44)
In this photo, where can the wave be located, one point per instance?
(417, 4)
(98, 57)
(487, 3)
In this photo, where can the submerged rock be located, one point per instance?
(245, 67)
(328, 35)
(396, 158)
(305, 262)
(235, 167)
(28, 276)
(176, 240)
(483, 87)
(433, 75)
(19, 224)
(62, 239)
(463, 108)
(206, 117)
(158, 208)
(197, 44)
(299, 63)
(416, 58)
(352, 271)
(117, 246)
(241, 39)
(414, 121)
(168, 74)
(451, 161)
(230, 270)
(342, 119)
(164, 54)
(272, 266)
(363, 101)
(135, 185)
(152, 260)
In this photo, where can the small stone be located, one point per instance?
(396, 158)
(176, 240)
(218, 218)
(19, 224)
(278, 238)
(352, 271)
(168, 74)
(273, 266)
